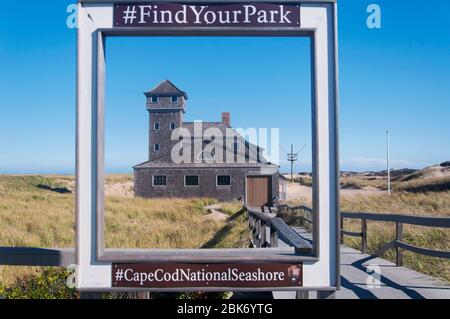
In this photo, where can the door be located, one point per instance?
(258, 190)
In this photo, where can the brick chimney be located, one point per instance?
(226, 118)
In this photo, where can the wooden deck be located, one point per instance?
(394, 282)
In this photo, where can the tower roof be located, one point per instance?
(166, 88)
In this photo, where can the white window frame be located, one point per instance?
(174, 125)
(159, 186)
(157, 99)
(154, 147)
(154, 126)
(222, 186)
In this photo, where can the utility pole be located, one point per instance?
(388, 164)
(292, 157)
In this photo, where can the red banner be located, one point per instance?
(207, 275)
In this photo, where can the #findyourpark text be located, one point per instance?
(225, 15)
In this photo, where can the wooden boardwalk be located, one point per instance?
(394, 282)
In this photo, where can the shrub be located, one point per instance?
(49, 283)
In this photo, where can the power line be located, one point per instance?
(292, 157)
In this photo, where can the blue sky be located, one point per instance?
(396, 78)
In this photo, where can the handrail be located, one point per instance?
(258, 222)
(24, 256)
(303, 217)
(399, 220)
(404, 219)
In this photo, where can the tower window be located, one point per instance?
(174, 98)
(156, 126)
(172, 126)
(156, 147)
(154, 99)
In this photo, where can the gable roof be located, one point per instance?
(166, 88)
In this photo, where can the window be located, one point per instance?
(156, 147)
(173, 126)
(156, 126)
(223, 180)
(174, 98)
(191, 181)
(159, 180)
(154, 99)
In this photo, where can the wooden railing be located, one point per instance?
(266, 229)
(20, 256)
(306, 213)
(397, 244)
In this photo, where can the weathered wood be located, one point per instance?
(398, 244)
(288, 235)
(424, 251)
(364, 236)
(350, 233)
(284, 232)
(382, 250)
(258, 234)
(23, 256)
(443, 222)
(263, 235)
(219, 255)
(273, 238)
(398, 238)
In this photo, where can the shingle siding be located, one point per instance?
(207, 183)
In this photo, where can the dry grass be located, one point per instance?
(426, 204)
(430, 184)
(363, 182)
(38, 211)
(158, 223)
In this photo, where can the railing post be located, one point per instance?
(302, 218)
(263, 234)
(341, 228)
(364, 236)
(258, 233)
(398, 237)
(273, 238)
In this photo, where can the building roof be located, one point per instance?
(206, 125)
(166, 88)
(152, 164)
